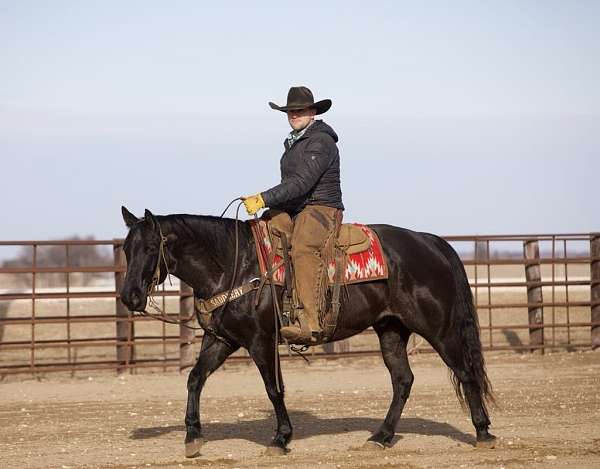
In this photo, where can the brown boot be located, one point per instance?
(302, 334)
(295, 335)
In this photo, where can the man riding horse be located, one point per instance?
(425, 290)
(311, 195)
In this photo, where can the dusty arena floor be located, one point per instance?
(548, 416)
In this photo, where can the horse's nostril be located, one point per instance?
(135, 299)
(132, 299)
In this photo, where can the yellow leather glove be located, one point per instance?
(253, 203)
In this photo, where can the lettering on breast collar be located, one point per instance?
(220, 299)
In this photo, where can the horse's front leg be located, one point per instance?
(263, 354)
(212, 355)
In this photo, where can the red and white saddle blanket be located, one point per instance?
(363, 266)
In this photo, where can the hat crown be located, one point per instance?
(300, 96)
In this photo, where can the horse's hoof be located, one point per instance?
(192, 449)
(276, 451)
(371, 445)
(488, 442)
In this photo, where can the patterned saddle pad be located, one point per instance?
(364, 266)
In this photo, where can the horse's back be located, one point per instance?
(421, 273)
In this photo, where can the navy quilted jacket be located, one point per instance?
(310, 172)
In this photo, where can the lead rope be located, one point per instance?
(156, 278)
(277, 316)
(278, 382)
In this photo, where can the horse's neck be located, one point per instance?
(205, 253)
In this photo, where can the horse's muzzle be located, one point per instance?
(134, 299)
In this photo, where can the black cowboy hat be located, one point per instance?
(300, 97)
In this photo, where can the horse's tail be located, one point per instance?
(464, 317)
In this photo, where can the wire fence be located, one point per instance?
(62, 312)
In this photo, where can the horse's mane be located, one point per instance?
(206, 229)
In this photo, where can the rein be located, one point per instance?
(153, 287)
(204, 308)
(201, 306)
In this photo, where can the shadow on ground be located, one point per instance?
(306, 425)
(513, 340)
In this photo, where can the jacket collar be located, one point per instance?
(294, 135)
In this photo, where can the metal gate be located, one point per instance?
(532, 292)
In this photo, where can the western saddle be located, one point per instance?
(351, 239)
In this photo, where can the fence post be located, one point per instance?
(186, 335)
(595, 288)
(124, 324)
(533, 276)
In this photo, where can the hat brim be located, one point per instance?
(320, 106)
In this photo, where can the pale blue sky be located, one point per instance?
(454, 117)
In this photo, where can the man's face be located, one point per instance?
(301, 118)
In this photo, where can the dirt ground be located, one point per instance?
(548, 416)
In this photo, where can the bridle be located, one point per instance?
(161, 257)
(153, 287)
(221, 301)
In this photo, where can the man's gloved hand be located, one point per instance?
(253, 203)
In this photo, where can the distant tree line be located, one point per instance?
(56, 256)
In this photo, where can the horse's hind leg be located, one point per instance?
(479, 415)
(393, 338)
(212, 355)
(453, 352)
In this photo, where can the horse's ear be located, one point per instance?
(129, 218)
(149, 217)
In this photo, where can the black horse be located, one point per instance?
(427, 292)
